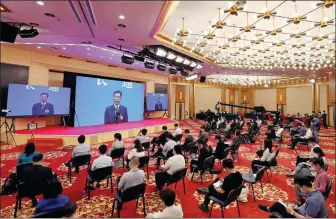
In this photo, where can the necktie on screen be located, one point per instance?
(116, 110)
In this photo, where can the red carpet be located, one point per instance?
(90, 130)
(280, 187)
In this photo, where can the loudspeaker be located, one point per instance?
(8, 32)
(202, 79)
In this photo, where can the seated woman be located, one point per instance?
(52, 198)
(305, 138)
(137, 151)
(316, 151)
(205, 152)
(118, 143)
(263, 157)
(28, 154)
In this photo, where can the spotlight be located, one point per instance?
(191, 77)
(161, 52)
(199, 66)
(149, 64)
(312, 80)
(171, 56)
(186, 62)
(161, 67)
(127, 59)
(173, 71)
(184, 73)
(139, 58)
(179, 59)
(28, 33)
(193, 64)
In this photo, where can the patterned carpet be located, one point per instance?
(279, 187)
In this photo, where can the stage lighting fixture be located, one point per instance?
(28, 33)
(186, 62)
(199, 66)
(193, 64)
(184, 73)
(139, 58)
(171, 56)
(149, 64)
(179, 59)
(173, 71)
(161, 67)
(161, 52)
(312, 80)
(191, 77)
(127, 59)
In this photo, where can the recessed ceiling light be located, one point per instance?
(39, 47)
(64, 48)
(88, 49)
(121, 39)
(40, 3)
(122, 17)
(49, 14)
(122, 25)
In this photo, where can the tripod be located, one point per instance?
(165, 114)
(8, 129)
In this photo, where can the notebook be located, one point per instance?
(218, 184)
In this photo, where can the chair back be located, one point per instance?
(326, 167)
(146, 145)
(20, 167)
(178, 175)
(328, 190)
(101, 173)
(30, 189)
(143, 161)
(81, 160)
(178, 137)
(209, 162)
(57, 213)
(170, 153)
(225, 153)
(275, 215)
(116, 153)
(133, 192)
(260, 174)
(233, 195)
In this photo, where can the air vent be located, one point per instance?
(89, 61)
(66, 57)
(87, 42)
(129, 69)
(74, 11)
(114, 66)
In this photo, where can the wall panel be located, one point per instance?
(265, 98)
(206, 98)
(299, 99)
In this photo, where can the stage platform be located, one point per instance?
(94, 134)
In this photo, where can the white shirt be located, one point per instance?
(279, 132)
(174, 163)
(116, 145)
(308, 134)
(101, 162)
(259, 122)
(134, 153)
(168, 146)
(81, 149)
(142, 139)
(218, 123)
(177, 131)
(174, 211)
(312, 154)
(267, 156)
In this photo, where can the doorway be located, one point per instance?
(179, 110)
(282, 107)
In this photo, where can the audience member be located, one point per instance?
(137, 151)
(279, 132)
(221, 146)
(162, 138)
(188, 139)
(81, 149)
(71, 210)
(142, 136)
(37, 175)
(263, 157)
(173, 164)
(205, 152)
(178, 130)
(324, 117)
(259, 122)
(203, 135)
(118, 143)
(221, 188)
(163, 152)
(52, 198)
(28, 154)
(316, 128)
(304, 138)
(168, 197)
(314, 207)
(235, 145)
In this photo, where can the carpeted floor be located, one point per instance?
(279, 187)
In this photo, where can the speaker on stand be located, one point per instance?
(202, 79)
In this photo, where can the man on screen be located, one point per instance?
(43, 108)
(116, 112)
(158, 105)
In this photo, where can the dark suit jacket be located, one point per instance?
(220, 149)
(36, 173)
(158, 106)
(204, 154)
(110, 114)
(37, 110)
(235, 144)
(163, 138)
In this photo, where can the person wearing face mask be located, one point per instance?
(320, 182)
(314, 207)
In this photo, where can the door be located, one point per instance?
(179, 111)
(282, 107)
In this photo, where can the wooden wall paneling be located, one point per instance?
(281, 96)
(180, 94)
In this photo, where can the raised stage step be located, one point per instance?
(46, 143)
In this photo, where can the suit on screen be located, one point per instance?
(46, 110)
(158, 106)
(111, 114)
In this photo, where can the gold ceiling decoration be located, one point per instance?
(234, 38)
(219, 24)
(324, 22)
(182, 32)
(326, 3)
(297, 33)
(234, 8)
(248, 27)
(267, 13)
(320, 37)
(210, 34)
(274, 31)
(296, 19)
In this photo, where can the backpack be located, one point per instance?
(9, 186)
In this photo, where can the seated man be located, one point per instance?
(168, 197)
(178, 130)
(314, 207)
(235, 145)
(81, 149)
(305, 138)
(36, 174)
(162, 138)
(203, 135)
(173, 164)
(101, 162)
(188, 139)
(118, 143)
(142, 136)
(279, 132)
(221, 188)
(220, 147)
(259, 122)
(163, 152)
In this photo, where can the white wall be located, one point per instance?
(323, 97)
(299, 99)
(206, 98)
(265, 98)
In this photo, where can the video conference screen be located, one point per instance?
(33, 100)
(157, 102)
(104, 101)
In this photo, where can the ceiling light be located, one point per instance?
(193, 64)
(87, 49)
(40, 3)
(149, 64)
(179, 59)
(186, 62)
(122, 17)
(171, 56)
(312, 80)
(161, 52)
(127, 58)
(161, 67)
(199, 66)
(64, 48)
(191, 77)
(173, 71)
(39, 47)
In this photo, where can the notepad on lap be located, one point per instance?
(218, 184)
